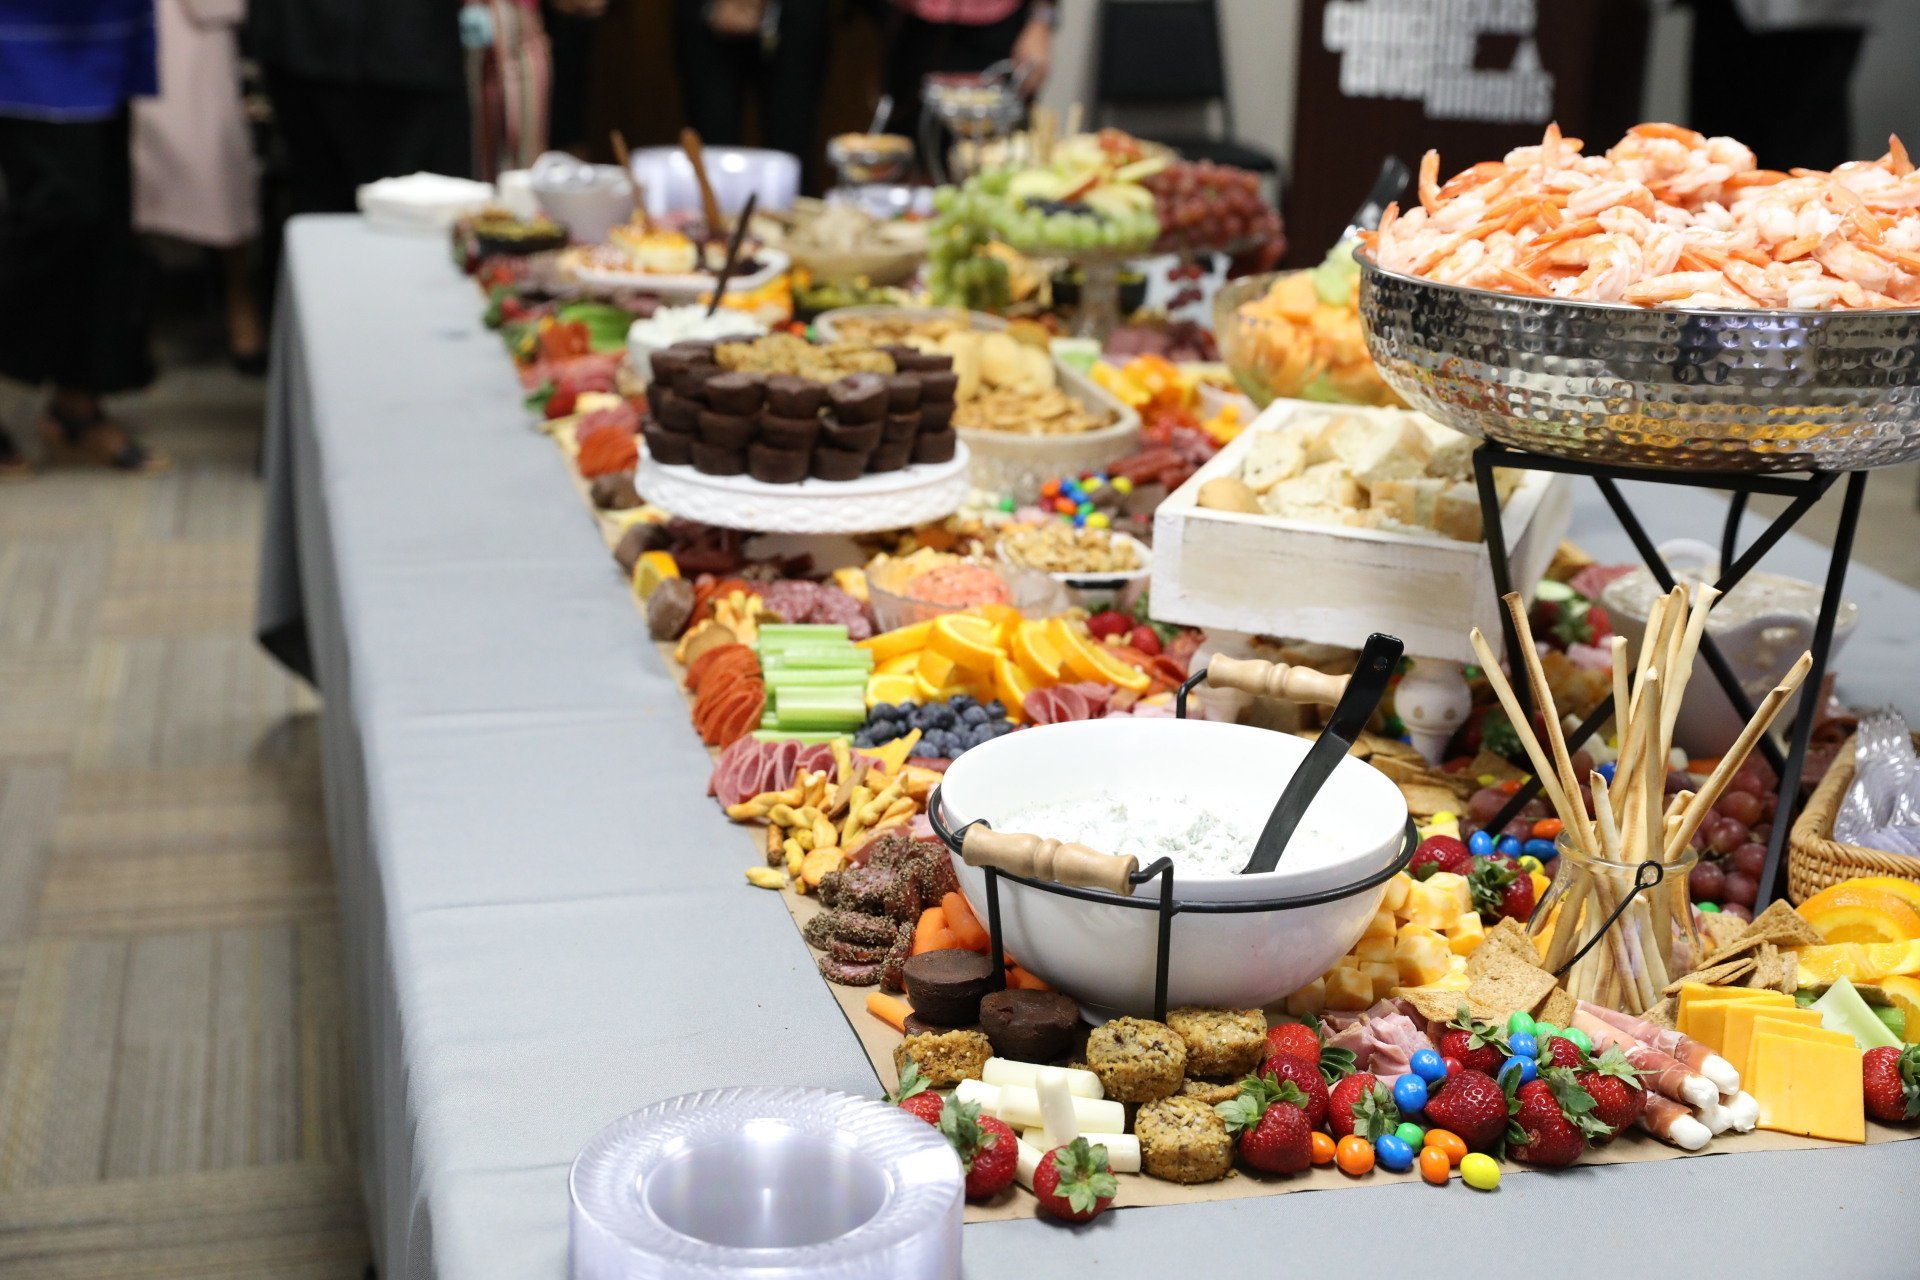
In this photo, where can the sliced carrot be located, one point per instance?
(932, 923)
(891, 1010)
(966, 927)
(1021, 980)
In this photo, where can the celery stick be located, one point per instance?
(795, 735)
(806, 709)
(818, 656)
(817, 678)
(779, 635)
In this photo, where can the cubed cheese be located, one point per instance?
(1348, 990)
(1383, 974)
(1375, 950)
(1310, 1000)
(1421, 958)
(1395, 896)
(1382, 925)
(1466, 933)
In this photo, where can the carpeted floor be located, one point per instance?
(173, 1058)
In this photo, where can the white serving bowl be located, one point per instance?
(1103, 954)
(1096, 590)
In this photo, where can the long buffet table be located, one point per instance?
(544, 921)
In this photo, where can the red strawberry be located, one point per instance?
(913, 1095)
(988, 1150)
(1074, 1182)
(1145, 639)
(1440, 853)
(1269, 1115)
(1558, 1051)
(1555, 1118)
(1294, 1040)
(1306, 1076)
(1617, 1102)
(1501, 889)
(1891, 1078)
(1471, 1104)
(1109, 622)
(561, 402)
(1478, 1046)
(1361, 1104)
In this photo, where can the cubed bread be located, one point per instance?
(1137, 1059)
(1378, 449)
(1409, 502)
(1183, 1140)
(1272, 457)
(1456, 513)
(1221, 1042)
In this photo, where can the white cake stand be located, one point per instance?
(870, 504)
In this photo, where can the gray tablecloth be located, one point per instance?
(544, 921)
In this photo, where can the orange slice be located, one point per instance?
(1090, 661)
(900, 664)
(901, 640)
(1905, 994)
(1884, 959)
(1035, 653)
(1011, 685)
(973, 644)
(1848, 912)
(1907, 890)
(1005, 619)
(892, 688)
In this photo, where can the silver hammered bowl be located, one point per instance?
(1748, 391)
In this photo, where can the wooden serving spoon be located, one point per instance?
(709, 202)
(625, 159)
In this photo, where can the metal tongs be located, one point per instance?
(1392, 180)
(1378, 661)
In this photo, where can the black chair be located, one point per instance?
(1162, 53)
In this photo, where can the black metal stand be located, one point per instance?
(1805, 489)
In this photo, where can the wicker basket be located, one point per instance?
(1815, 860)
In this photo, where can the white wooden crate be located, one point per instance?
(1332, 584)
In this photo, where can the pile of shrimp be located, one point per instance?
(1666, 218)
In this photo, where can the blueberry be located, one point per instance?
(996, 709)
(974, 715)
(961, 701)
(880, 710)
(939, 716)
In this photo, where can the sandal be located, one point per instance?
(101, 441)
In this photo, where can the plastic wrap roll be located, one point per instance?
(779, 1183)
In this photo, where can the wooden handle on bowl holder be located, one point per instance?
(1044, 859)
(716, 224)
(1275, 680)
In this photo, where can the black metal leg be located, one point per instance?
(996, 947)
(1809, 707)
(1496, 536)
(1730, 532)
(1164, 961)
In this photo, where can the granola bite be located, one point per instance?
(944, 1058)
(1221, 1042)
(1183, 1140)
(1137, 1059)
(1209, 1091)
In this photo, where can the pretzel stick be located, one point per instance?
(1575, 817)
(1522, 728)
(1702, 803)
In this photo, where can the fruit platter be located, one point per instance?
(1167, 893)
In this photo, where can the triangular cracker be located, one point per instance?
(1784, 927)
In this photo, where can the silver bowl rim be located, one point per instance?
(1364, 256)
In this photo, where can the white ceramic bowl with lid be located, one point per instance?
(1103, 954)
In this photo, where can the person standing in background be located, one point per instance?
(570, 26)
(509, 73)
(362, 89)
(194, 176)
(1778, 75)
(775, 49)
(72, 310)
(929, 37)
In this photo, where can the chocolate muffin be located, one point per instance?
(718, 460)
(936, 417)
(728, 430)
(890, 455)
(842, 436)
(945, 986)
(859, 397)
(935, 446)
(903, 392)
(669, 448)
(1030, 1026)
(735, 393)
(788, 433)
(837, 464)
(937, 386)
(691, 380)
(901, 426)
(678, 413)
(792, 396)
(771, 465)
(914, 1025)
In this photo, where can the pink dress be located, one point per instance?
(193, 164)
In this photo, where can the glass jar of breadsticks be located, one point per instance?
(1626, 846)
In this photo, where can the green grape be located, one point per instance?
(942, 199)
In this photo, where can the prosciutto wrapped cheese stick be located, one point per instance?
(1684, 1049)
(1662, 1073)
(1673, 1124)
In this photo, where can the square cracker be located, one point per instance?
(1506, 984)
(1558, 1008)
(1661, 1015)
(1726, 974)
(1508, 938)
(1436, 1004)
(1786, 928)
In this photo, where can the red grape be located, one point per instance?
(1750, 777)
(1741, 805)
(1742, 889)
(1486, 802)
(1736, 910)
(1707, 882)
(1750, 859)
(1728, 834)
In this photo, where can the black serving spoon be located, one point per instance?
(733, 254)
(1387, 187)
(1365, 687)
